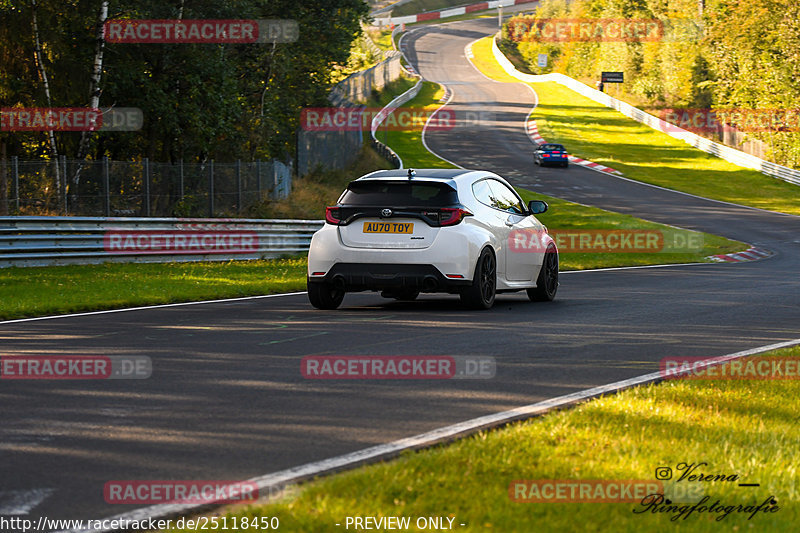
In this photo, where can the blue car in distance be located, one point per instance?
(551, 154)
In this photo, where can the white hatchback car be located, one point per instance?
(402, 232)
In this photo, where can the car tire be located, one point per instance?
(566, 164)
(481, 293)
(547, 282)
(324, 295)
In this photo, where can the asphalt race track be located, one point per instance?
(227, 401)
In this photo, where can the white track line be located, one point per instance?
(273, 483)
(246, 298)
(21, 502)
(145, 307)
(425, 127)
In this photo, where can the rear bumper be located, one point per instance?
(354, 277)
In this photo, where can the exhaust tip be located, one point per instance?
(430, 284)
(339, 282)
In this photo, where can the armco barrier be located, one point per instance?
(385, 112)
(737, 157)
(43, 241)
(447, 13)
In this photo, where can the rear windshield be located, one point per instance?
(552, 147)
(407, 194)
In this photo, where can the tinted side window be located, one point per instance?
(405, 194)
(504, 198)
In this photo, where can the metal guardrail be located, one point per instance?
(384, 149)
(45, 241)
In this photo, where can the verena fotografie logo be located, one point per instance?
(717, 120)
(746, 368)
(180, 242)
(75, 367)
(70, 119)
(397, 367)
(187, 491)
(201, 31)
(606, 241)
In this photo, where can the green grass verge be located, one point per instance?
(40, 291)
(391, 91)
(382, 39)
(746, 428)
(564, 215)
(603, 135)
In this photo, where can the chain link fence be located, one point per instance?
(139, 188)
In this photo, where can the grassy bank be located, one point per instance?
(311, 193)
(603, 135)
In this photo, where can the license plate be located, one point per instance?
(388, 227)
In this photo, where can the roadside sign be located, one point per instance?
(612, 77)
(542, 60)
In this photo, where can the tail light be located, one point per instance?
(450, 216)
(332, 216)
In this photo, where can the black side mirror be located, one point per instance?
(537, 206)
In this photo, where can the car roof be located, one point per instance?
(443, 175)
